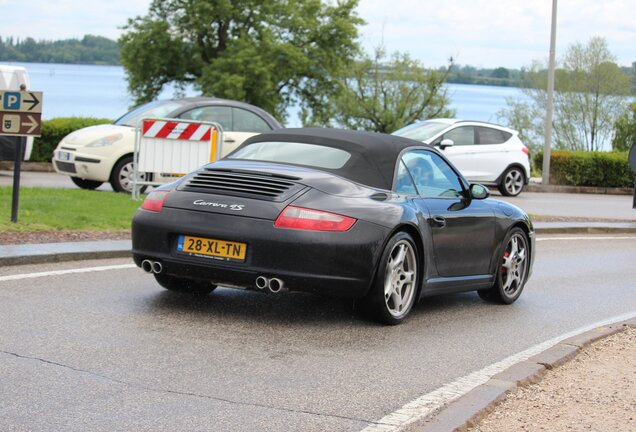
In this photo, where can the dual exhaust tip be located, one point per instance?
(151, 266)
(274, 285)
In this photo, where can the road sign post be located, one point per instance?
(632, 163)
(15, 196)
(20, 115)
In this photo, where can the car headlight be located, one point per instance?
(106, 141)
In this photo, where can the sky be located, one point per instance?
(480, 33)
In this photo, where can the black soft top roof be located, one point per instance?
(373, 155)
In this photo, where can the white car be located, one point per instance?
(104, 153)
(484, 153)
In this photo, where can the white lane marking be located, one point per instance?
(584, 238)
(65, 272)
(427, 404)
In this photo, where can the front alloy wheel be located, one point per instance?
(121, 178)
(394, 291)
(512, 182)
(513, 270)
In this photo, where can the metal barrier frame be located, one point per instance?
(138, 182)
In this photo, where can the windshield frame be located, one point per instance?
(422, 131)
(154, 109)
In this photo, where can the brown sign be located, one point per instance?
(20, 124)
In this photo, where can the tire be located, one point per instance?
(86, 184)
(121, 178)
(512, 270)
(512, 182)
(184, 285)
(394, 288)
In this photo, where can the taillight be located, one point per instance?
(313, 220)
(154, 201)
(525, 150)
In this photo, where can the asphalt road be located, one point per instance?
(109, 350)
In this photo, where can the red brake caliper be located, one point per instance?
(503, 268)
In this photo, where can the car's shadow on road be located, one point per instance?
(306, 310)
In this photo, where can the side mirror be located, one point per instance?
(479, 192)
(446, 143)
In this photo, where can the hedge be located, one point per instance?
(583, 168)
(54, 130)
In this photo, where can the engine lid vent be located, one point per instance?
(273, 187)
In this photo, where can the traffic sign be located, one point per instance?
(21, 101)
(20, 123)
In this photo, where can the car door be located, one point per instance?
(491, 153)
(463, 230)
(477, 151)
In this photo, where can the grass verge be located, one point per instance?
(45, 209)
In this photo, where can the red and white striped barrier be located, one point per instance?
(177, 130)
(169, 148)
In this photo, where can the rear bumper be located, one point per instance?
(338, 264)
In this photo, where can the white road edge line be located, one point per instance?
(65, 272)
(427, 404)
(584, 238)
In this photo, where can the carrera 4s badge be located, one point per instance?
(235, 207)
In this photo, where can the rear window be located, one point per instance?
(312, 155)
(492, 136)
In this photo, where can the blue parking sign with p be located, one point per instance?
(11, 101)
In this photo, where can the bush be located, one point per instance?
(582, 168)
(54, 130)
(625, 130)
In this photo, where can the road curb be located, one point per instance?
(28, 166)
(586, 230)
(60, 252)
(533, 187)
(471, 408)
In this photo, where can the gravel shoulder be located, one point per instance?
(596, 391)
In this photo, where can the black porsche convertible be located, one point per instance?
(369, 216)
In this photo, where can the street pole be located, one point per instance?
(548, 115)
(17, 160)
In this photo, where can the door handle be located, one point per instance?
(438, 221)
(229, 140)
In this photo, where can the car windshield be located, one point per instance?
(156, 109)
(421, 131)
(296, 153)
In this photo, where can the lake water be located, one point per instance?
(100, 91)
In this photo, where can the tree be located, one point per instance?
(500, 72)
(383, 96)
(590, 95)
(625, 130)
(270, 53)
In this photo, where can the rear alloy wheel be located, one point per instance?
(184, 285)
(394, 290)
(513, 270)
(121, 179)
(512, 182)
(86, 184)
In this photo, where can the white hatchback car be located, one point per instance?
(483, 152)
(104, 153)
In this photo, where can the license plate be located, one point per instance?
(65, 156)
(213, 248)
